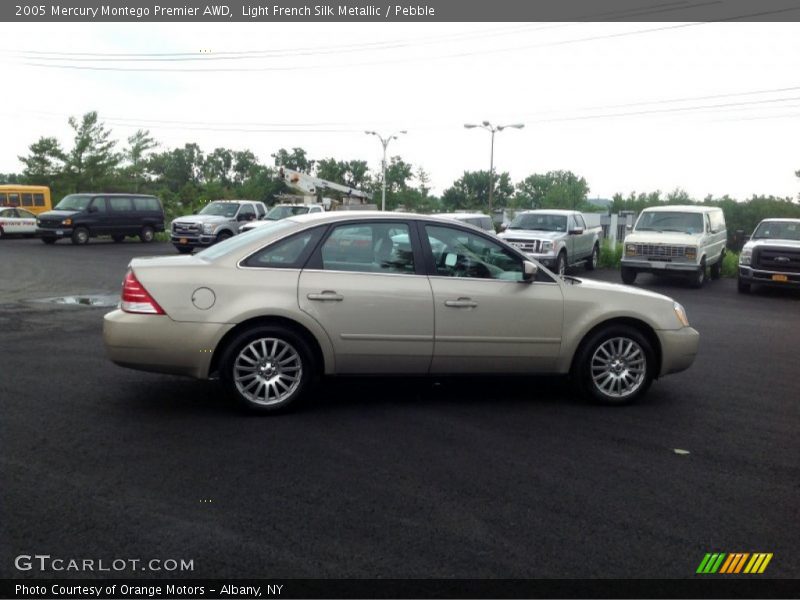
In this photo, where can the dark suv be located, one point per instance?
(82, 216)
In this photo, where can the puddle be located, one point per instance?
(100, 300)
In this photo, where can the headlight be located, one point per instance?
(630, 249)
(208, 228)
(691, 252)
(547, 247)
(746, 256)
(681, 314)
(66, 222)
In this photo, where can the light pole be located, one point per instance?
(493, 129)
(385, 143)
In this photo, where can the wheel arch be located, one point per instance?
(298, 328)
(641, 326)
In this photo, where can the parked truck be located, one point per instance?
(555, 238)
(771, 256)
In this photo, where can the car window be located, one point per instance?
(260, 210)
(458, 253)
(38, 199)
(99, 204)
(117, 204)
(580, 222)
(25, 214)
(290, 253)
(8, 213)
(246, 213)
(146, 204)
(369, 248)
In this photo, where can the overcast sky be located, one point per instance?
(710, 108)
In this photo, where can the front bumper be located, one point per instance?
(157, 343)
(201, 241)
(678, 349)
(548, 260)
(658, 266)
(61, 232)
(761, 277)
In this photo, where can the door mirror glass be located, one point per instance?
(529, 270)
(576, 231)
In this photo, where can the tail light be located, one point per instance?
(136, 299)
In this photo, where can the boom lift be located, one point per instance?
(310, 187)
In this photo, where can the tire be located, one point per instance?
(147, 234)
(615, 365)
(253, 389)
(2, 233)
(742, 286)
(49, 240)
(594, 259)
(699, 276)
(715, 271)
(118, 238)
(223, 235)
(628, 275)
(184, 249)
(80, 236)
(561, 263)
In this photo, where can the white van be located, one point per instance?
(687, 240)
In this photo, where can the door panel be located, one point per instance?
(379, 319)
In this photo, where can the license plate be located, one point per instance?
(184, 241)
(780, 278)
(59, 232)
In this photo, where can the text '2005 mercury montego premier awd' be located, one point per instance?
(360, 293)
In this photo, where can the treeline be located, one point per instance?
(188, 177)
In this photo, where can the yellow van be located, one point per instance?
(35, 198)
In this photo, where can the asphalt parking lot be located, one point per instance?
(494, 478)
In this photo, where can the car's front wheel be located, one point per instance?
(267, 368)
(594, 259)
(80, 236)
(628, 275)
(147, 234)
(615, 365)
(561, 263)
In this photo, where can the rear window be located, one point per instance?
(147, 204)
(27, 199)
(242, 240)
(38, 199)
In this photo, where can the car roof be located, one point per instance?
(235, 200)
(370, 215)
(113, 194)
(548, 211)
(781, 220)
(681, 208)
(463, 215)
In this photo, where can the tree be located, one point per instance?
(471, 191)
(138, 144)
(44, 163)
(216, 167)
(92, 160)
(177, 167)
(554, 189)
(295, 160)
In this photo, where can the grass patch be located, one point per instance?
(730, 264)
(610, 255)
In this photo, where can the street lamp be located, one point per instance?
(493, 129)
(385, 143)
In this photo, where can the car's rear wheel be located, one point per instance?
(628, 275)
(147, 234)
(616, 365)
(594, 259)
(715, 271)
(699, 276)
(267, 368)
(80, 236)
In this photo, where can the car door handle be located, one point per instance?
(326, 296)
(461, 303)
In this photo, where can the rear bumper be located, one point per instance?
(758, 276)
(157, 343)
(678, 349)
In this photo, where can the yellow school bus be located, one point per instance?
(35, 198)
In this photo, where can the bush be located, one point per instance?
(610, 255)
(730, 264)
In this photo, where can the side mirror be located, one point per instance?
(529, 270)
(93, 209)
(576, 231)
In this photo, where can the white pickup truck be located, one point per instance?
(556, 238)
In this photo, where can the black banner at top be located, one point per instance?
(397, 10)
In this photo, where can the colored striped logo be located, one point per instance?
(734, 563)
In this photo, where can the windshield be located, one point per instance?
(281, 212)
(539, 222)
(777, 230)
(683, 222)
(243, 239)
(221, 209)
(74, 202)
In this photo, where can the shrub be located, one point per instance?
(610, 255)
(730, 264)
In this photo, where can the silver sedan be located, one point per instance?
(361, 293)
